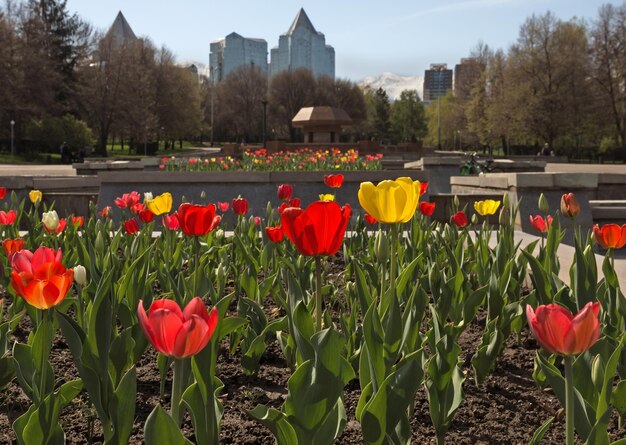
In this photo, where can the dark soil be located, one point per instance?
(505, 410)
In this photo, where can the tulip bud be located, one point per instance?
(80, 275)
(474, 219)
(456, 202)
(268, 210)
(221, 273)
(219, 234)
(148, 196)
(99, 243)
(50, 220)
(543, 204)
(381, 247)
(569, 205)
(506, 201)
(350, 287)
(503, 217)
(597, 373)
(203, 195)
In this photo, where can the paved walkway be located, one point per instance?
(566, 257)
(585, 168)
(36, 170)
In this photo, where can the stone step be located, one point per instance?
(607, 203)
(608, 213)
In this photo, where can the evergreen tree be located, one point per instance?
(408, 121)
(382, 109)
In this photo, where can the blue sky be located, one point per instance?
(369, 36)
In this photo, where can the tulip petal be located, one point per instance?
(191, 338)
(165, 324)
(551, 324)
(145, 323)
(196, 307)
(584, 330)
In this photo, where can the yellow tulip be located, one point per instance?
(327, 197)
(486, 207)
(390, 201)
(35, 196)
(161, 204)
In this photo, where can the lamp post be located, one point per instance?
(12, 138)
(264, 102)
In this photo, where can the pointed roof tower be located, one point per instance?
(120, 31)
(301, 21)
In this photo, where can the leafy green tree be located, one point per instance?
(408, 121)
(382, 111)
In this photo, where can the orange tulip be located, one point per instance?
(40, 277)
(12, 246)
(560, 332)
(569, 205)
(610, 236)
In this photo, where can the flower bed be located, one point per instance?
(261, 160)
(404, 328)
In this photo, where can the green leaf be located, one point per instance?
(277, 423)
(122, 407)
(162, 429)
(541, 431)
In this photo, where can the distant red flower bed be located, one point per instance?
(305, 159)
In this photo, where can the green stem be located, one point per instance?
(196, 263)
(318, 294)
(177, 389)
(441, 438)
(394, 261)
(568, 362)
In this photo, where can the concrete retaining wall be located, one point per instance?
(258, 188)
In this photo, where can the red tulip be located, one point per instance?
(197, 220)
(560, 332)
(78, 221)
(569, 205)
(334, 181)
(59, 228)
(7, 218)
(423, 187)
(284, 192)
(295, 202)
(106, 212)
(240, 206)
(540, 224)
(275, 234)
(40, 277)
(610, 236)
(171, 221)
(370, 219)
(146, 216)
(131, 226)
(3, 192)
(127, 200)
(257, 220)
(318, 230)
(223, 206)
(12, 246)
(137, 208)
(460, 219)
(178, 333)
(427, 208)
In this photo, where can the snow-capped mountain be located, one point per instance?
(394, 84)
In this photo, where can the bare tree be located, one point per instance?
(608, 59)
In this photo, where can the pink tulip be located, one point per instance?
(178, 333)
